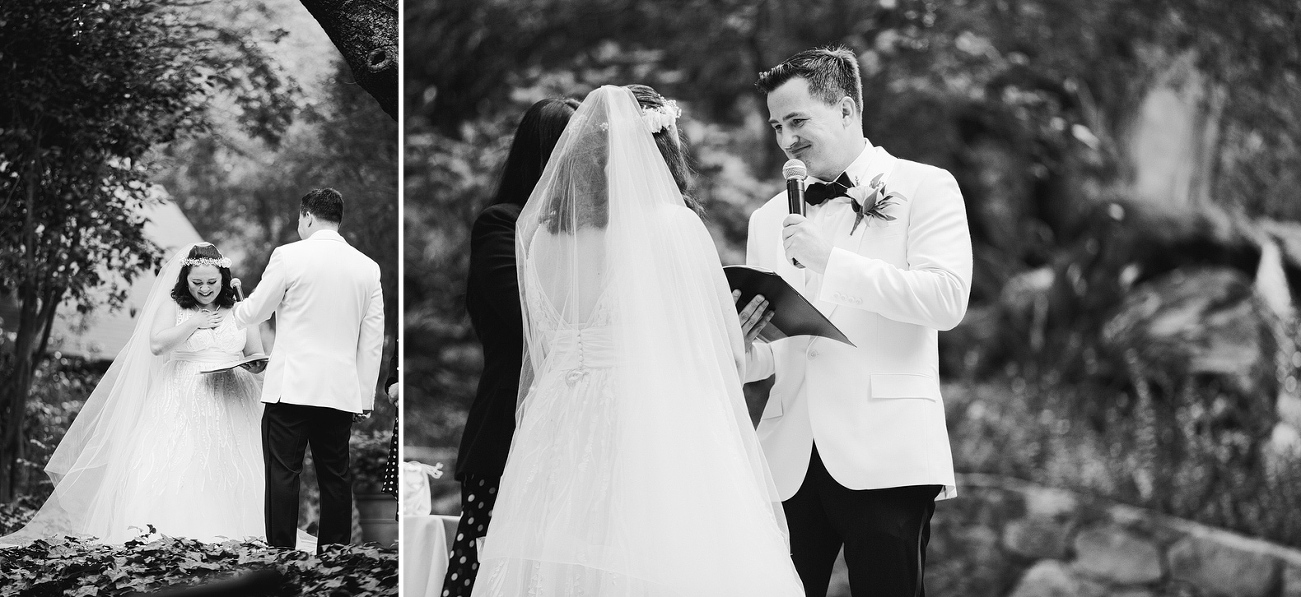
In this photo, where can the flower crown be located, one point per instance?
(197, 261)
(661, 117)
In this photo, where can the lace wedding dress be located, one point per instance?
(157, 443)
(195, 467)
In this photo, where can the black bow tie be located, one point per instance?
(819, 192)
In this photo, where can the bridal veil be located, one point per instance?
(100, 433)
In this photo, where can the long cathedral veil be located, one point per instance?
(611, 260)
(98, 435)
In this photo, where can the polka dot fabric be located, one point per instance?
(390, 485)
(478, 495)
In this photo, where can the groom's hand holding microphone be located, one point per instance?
(804, 244)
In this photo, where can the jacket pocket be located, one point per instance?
(905, 385)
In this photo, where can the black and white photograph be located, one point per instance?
(659, 298)
(199, 297)
(883, 298)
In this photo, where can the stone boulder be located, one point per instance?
(1037, 537)
(1203, 321)
(1221, 570)
(1116, 555)
(1121, 245)
(1052, 578)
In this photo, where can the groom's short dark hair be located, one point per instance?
(832, 73)
(326, 204)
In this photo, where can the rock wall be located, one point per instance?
(1007, 538)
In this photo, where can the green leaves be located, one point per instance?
(68, 566)
(91, 91)
(369, 450)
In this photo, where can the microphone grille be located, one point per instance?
(794, 169)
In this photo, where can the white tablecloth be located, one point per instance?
(425, 541)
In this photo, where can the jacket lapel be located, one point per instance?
(883, 164)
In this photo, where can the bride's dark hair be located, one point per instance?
(535, 137)
(181, 291)
(672, 145)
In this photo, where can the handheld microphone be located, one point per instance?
(794, 172)
(238, 287)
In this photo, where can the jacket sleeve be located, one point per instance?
(492, 253)
(370, 342)
(266, 298)
(933, 289)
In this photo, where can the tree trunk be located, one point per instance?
(17, 382)
(366, 33)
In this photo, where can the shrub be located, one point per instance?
(59, 388)
(369, 451)
(1170, 457)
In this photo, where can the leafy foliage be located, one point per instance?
(70, 566)
(59, 388)
(369, 453)
(92, 89)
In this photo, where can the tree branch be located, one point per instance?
(366, 33)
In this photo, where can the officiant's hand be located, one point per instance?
(804, 243)
(359, 417)
(754, 317)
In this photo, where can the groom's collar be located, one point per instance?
(326, 234)
(871, 161)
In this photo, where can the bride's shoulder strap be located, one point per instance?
(168, 315)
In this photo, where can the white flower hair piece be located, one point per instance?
(223, 262)
(662, 117)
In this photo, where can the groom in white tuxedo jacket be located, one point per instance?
(856, 437)
(324, 367)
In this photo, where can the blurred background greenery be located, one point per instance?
(1130, 172)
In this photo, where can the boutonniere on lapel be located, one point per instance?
(871, 201)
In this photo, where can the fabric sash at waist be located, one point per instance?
(206, 356)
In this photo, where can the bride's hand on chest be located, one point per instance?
(209, 319)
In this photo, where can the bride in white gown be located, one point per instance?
(634, 470)
(158, 443)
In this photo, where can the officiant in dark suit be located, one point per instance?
(492, 299)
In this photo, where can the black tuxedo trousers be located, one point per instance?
(287, 431)
(884, 533)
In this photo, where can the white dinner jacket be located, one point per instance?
(875, 409)
(329, 323)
